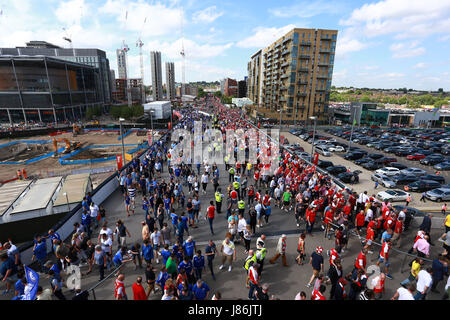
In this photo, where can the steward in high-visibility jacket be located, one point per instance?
(260, 255)
(219, 197)
(241, 206)
(231, 176)
(249, 261)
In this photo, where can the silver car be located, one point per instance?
(384, 180)
(413, 171)
(439, 194)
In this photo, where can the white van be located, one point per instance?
(323, 151)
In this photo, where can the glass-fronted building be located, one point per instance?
(45, 89)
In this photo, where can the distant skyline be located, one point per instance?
(380, 44)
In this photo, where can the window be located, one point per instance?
(295, 39)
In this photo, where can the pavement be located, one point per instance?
(284, 282)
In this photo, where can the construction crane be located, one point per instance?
(140, 44)
(183, 56)
(69, 146)
(125, 50)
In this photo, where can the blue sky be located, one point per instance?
(382, 44)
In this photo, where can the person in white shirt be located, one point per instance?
(228, 253)
(369, 215)
(405, 293)
(424, 281)
(155, 237)
(107, 231)
(94, 213)
(204, 181)
(242, 225)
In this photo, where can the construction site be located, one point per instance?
(91, 151)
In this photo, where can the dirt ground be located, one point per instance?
(51, 167)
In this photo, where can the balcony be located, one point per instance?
(305, 43)
(283, 88)
(284, 76)
(301, 94)
(320, 89)
(300, 106)
(303, 56)
(285, 64)
(322, 76)
(282, 99)
(302, 82)
(323, 63)
(286, 40)
(285, 52)
(323, 37)
(303, 70)
(325, 50)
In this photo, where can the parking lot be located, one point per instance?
(365, 182)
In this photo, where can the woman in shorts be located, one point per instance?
(301, 249)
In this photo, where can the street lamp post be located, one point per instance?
(121, 135)
(67, 199)
(151, 121)
(280, 116)
(314, 135)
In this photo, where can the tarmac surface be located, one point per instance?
(284, 282)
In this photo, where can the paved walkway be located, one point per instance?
(285, 282)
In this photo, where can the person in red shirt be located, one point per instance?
(138, 290)
(318, 294)
(370, 236)
(361, 260)
(384, 256)
(328, 220)
(119, 288)
(234, 199)
(210, 213)
(398, 229)
(310, 219)
(333, 255)
(389, 223)
(359, 221)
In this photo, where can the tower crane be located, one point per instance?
(125, 50)
(183, 56)
(140, 44)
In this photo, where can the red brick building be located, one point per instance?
(231, 87)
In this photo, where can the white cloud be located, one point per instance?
(419, 65)
(347, 44)
(263, 36)
(207, 15)
(407, 50)
(404, 18)
(160, 20)
(307, 9)
(192, 49)
(370, 67)
(393, 75)
(71, 12)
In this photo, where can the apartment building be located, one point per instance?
(297, 71)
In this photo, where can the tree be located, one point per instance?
(201, 93)
(218, 94)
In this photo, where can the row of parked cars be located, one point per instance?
(388, 172)
(429, 147)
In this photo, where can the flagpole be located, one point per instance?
(353, 125)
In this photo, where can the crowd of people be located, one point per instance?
(169, 193)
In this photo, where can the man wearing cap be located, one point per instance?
(316, 261)
(260, 254)
(281, 251)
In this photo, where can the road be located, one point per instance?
(284, 282)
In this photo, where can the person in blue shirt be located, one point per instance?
(180, 230)
(20, 285)
(182, 199)
(167, 204)
(267, 213)
(199, 264)
(86, 222)
(40, 253)
(189, 247)
(85, 204)
(184, 222)
(8, 271)
(120, 257)
(89, 199)
(165, 253)
(177, 172)
(174, 218)
(145, 205)
(147, 251)
(49, 265)
(200, 290)
(186, 264)
(162, 278)
(176, 248)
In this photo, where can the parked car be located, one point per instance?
(439, 194)
(324, 164)
(443, 166)
(414, 171)
(372, 165)
(392, 195)
(433, 177)
(433, 159)
(349, 177)
(397, 165)
(354, 155)
(323, 151)
(423, 185)
(384, 180)
(359, 162)
(334, 170)
(402, 179)
(336, 148)
(388, 171)
(415, 156)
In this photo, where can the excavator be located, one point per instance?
(69, 146)
(76, 130)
